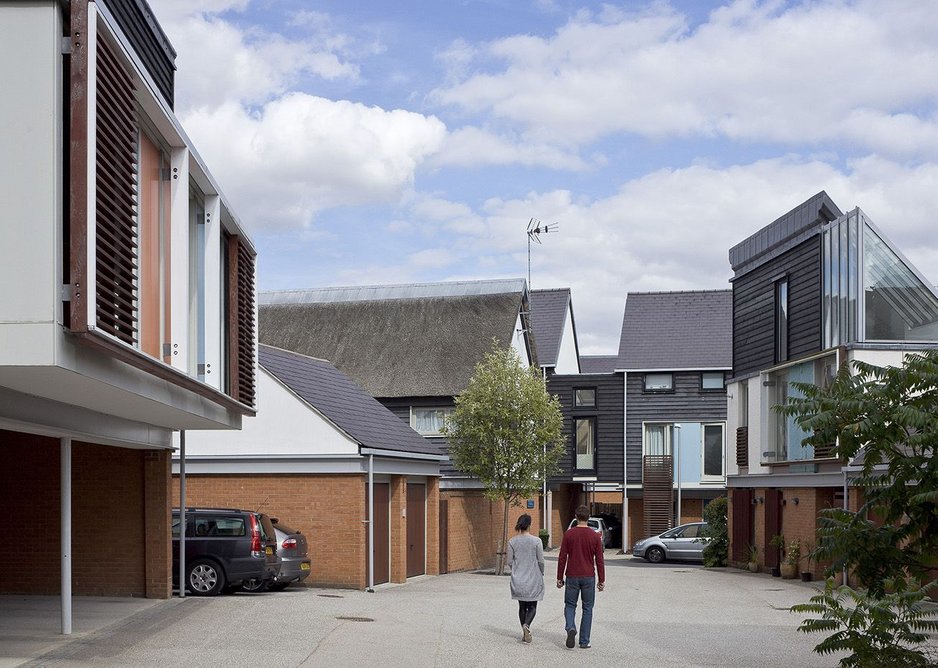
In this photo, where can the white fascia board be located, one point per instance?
(377, 452)
(669, 369)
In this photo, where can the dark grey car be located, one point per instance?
(295, 565)
(682, 543)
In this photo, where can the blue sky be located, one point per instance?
(373, 142)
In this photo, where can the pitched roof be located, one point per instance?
(677, 330)
(336, 396)
(785, 232)
(397, 341)
(549, 309)
(598, 363)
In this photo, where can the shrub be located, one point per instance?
(717, 550)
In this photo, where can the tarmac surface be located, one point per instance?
(649, 615)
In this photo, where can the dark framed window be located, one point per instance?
(584, 397)
(712, 380)
(585, 438)
(781, 320)
(659, 382)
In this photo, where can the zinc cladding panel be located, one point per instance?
(754, 308)
(608, 414)
(686, 404)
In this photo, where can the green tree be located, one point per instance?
(887, 419)
(507, 431)
(717, 550)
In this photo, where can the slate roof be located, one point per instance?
(677, 330)
(598, 363)
(336, 396)
(786, 232)
(420, 340)
(549, 310)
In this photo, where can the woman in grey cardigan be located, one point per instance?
(526, 558)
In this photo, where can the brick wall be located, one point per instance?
(115, 518)
(475, 528)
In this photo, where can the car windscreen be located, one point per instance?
(284, 528)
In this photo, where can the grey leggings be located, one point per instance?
(526, 612)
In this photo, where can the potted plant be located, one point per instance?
(753, 559)
(789, 567)
(778, 541)
(806, 574)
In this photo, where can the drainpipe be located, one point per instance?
(65, 484)
(677, 450)
(545, 516)
(182, 513)
(846, 507)
(371, 523)
(625, 466)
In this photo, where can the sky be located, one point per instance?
(374, 142)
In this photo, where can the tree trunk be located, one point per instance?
(503, 547)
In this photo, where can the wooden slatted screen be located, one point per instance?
(657, 493)
(241, 320)
(116, 198)
(742, 446)
(742, 535)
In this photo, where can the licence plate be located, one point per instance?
(269, 551)
(304, 567)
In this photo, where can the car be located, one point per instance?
(598, 525)
(274, 559)
(225, 547)
(293, 549)
(682, 543)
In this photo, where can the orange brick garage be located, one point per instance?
(332, 511)
(120, 518)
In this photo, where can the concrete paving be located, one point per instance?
(664, 615)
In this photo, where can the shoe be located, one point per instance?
(526, 636)
(571, 638)
(586, 646)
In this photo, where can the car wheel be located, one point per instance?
(655, 555)
(256, 585)
(205, 578)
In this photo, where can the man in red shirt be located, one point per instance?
(581, 560)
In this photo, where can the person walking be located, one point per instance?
(526, 559)
(581, 561)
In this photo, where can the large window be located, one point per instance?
(785, 434)
(697, 448)
(658, 439)
(429, 421)
(197, 284)
(585, 429)
(712, 452)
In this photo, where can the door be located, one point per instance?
(416, 529)
(444, 537)
(683, 545)
(382, 546)
(773, 526)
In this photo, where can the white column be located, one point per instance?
(371, 522)
(214, 327)
(182, 513)
(677, 452)
(65, 486)
(179, 259)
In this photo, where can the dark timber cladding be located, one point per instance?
(136, 21)
(401, 407)
(687, 403)
(608, 414)
(754, 308)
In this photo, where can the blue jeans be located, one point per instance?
(577, 587)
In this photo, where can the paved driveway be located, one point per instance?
(667, 615)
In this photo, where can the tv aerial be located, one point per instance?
(535, 229)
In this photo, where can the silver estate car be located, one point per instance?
(682, 543)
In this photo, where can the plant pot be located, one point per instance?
(776, 572)
(753, 566)
(807, 576)
(789, 572)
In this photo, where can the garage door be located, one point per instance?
(416, 529)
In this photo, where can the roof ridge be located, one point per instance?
(293, 352)
(678, 292)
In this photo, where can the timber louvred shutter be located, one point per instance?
(657, 493)
(115, 198)
(241, 351)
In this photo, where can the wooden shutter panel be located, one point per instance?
(742, 446)
(241, 320)
(657, 493)
(115, 198)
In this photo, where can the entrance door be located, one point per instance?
(382, 532)
(416, 529)
(773, 526)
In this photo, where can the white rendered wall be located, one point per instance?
(567, 359)
(517, 342)
(878, 357)
(732, 423)
(284, 426)
(30, 181)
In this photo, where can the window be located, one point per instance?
(658, 439)
(585, 429)
(712, 452)
(712, 380)
(196, 284)
(785, 434)
(659, 382)
(429, 421)
(781, 320)
(584, 397)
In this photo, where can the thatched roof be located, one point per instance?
(425, 346)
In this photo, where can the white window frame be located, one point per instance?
(712, 375)
(703, 452)
(446, 410)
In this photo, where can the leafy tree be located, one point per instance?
(507, 431)
(886, 418)
(716, 551)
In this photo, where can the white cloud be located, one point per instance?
(301, 154)
(471, 147)
(754, 71)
